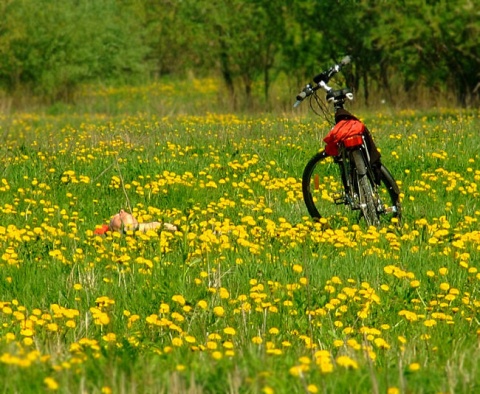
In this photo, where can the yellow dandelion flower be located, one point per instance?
(329, 288)
(214, 336)
(338, 343)
(51, 383)
(381, 343)
(305, 360)
(415, 283)
(393, 390)
(297, 268)
(164, 308)
(410, 316)
(348, 330)
(177, 317)
(228, 345)
(430, 323)
(353, 344)
(454, 291)
(27, 332)
(179, 299)
(110, 337)
(311, 388)
(202, 304)
(9, 337)
(268, 390)
(219, 311)
(211, 345)
(444, 286)
(298, 370)
(224, 293)
(414, 367)
(229, 331)
(103, 319)
(217, 355)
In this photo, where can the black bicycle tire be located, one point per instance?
(307, 194)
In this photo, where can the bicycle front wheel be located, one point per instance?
(322, 188)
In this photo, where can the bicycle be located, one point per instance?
(350, 156)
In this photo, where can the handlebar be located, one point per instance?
(321, 81)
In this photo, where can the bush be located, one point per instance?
(48, 48)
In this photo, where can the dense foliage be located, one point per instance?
(49, 48)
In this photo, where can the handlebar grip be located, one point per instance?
(301, 96)
(347, 59)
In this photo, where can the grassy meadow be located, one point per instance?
(250, 295)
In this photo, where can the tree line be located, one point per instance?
(49, 48)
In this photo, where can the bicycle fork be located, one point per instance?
(352, 166)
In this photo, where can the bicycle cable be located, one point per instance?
(324, 111)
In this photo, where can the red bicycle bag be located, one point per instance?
(340, 132)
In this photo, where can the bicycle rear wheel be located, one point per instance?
(322, 188)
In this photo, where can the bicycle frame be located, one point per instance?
(365, 180)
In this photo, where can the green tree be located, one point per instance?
(321, 32)
(243, 39)
(302, 46)
(172, 37)
(433, 44)
(50, 47)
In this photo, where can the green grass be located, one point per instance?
(250, 295)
